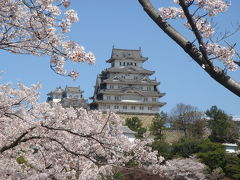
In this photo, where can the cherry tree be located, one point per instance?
(38, 27)
(203, 48)
(43, 141)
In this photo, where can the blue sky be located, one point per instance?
(125, 25)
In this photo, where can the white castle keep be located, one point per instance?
(126, 87)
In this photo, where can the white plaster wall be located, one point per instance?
(129, 109)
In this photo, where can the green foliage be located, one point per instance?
(207, 145)
(212, 154)
(157, 126)
(185, 147)
(132, 163)
(21, 160)
(135, 124)
(163, 148)
(196, 129)
(232, 167)
(223, 129)
(116, 176)
(213, 159)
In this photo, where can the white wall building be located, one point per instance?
(70, 96)
(126, 87)
(129, 133)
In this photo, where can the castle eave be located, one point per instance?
(121, 92)
(160, 104)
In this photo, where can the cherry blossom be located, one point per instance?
(203, 28)
(171, 12)
(47, 141)
(39, 28)
(223, 54)
(39, 140)
(189, 169)
(74, 74)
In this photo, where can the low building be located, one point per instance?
(231, 148)
(68, 97)
(129, 133)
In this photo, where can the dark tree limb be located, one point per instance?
(16, 142)
(196, 32)
(215, 72)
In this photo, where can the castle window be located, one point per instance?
(116, 107)
(149, 108)
(154, 99)
(141, 108)
(120, 63)
(108, 97)
(117, 98)
(111, 86)
(124, 63)
(135, 77)
(135, 64)
(145, 99)
(132, 107)
(124, 107)
(107, 107)
(148, 88)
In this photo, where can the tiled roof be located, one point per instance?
(58, 90)
(127, 54)
(129, 69)
(73, 89)
(126, 130)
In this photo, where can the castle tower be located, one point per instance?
(71, 96)
(126, 87)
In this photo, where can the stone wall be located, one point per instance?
(146, 119)
(170, 135)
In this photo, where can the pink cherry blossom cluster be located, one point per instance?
(73, 74)
(171, 12)
(47, 141)
(223, 54)
(212, 6)
(203, 26)
(38, 28)
(204, 8)
(39, 140)
(189, 169)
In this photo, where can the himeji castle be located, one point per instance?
(126, 87)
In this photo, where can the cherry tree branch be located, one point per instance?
(215, 72)
(196, 32)
(16, 142)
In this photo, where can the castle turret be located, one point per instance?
(71, 96)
